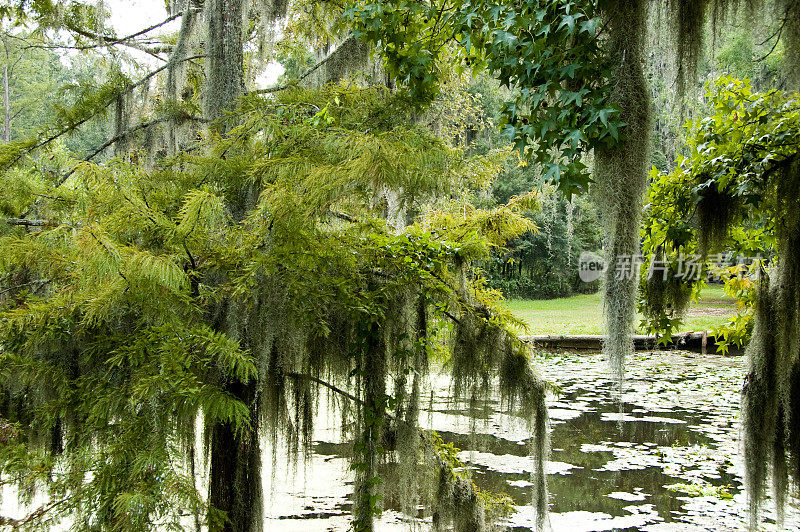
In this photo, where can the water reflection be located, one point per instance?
(610, 465)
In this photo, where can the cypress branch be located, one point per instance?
(73, 126)
(123, 135)
(30, 223)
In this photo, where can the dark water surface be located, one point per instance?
(664, 458)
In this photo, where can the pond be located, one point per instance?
(664, 458)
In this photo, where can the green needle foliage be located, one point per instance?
(230, 286)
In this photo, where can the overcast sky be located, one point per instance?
(130, 16)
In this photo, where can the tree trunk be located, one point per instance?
(373, 414)
(224, 47)
(791, 43)
(235, 476)
(7, 106)
(234, 483)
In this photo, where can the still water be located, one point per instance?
(662, 456)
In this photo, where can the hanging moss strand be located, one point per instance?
(621, 173)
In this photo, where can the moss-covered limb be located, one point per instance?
(791, 42)
(484, 350)
(104, 41)
(32, 520)
(30, 223)
(770, 400)
(759, 405)
(153, 51)
(174, 73)
(126, 133)
(351, 58)
(451, 497)
(300, 79)
(225, 71)
(689, 23)
(372, 375)
(83, 113)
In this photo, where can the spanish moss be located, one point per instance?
(770, 401)
(621, 174)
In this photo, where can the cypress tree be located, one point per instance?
(233, 282)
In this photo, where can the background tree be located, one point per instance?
(39, 83)
(541, 263)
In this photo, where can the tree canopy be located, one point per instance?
(243, 250)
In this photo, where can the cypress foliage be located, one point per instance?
(235, 284)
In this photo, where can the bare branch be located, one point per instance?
(153, 27)
(72, 127)
(138, 127)
(328, 385)
(142, 47)
(106, 41)
(30, 223)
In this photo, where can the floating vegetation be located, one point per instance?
(701, 490)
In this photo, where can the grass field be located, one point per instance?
(583, 314)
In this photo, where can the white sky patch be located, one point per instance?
(130, 16)
(270, 75)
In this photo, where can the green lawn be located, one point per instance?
(583, 314)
